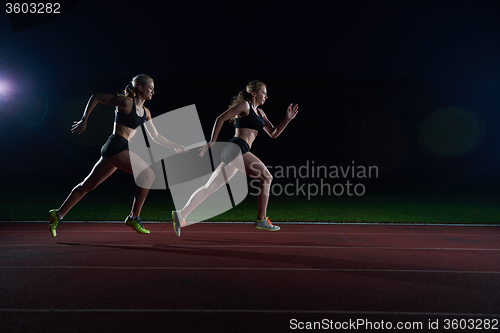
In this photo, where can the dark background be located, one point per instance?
(408, 86)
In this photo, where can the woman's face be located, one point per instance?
(148, 90)
(260, 96)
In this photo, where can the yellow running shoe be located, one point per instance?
(135, 223)
(54, 222)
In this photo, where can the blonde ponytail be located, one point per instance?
(246, 95)
(131, 88)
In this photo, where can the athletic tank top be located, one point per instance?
(251, 121)
(131, 120)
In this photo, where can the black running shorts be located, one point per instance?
(115, 145)
(231, 150)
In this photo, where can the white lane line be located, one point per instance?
(375, 224)
(256, 269)
(194, 246)
(251, 232)
(258, 311)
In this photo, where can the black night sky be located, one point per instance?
(409, 85)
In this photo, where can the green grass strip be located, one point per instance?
(111, 205)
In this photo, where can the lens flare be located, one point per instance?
(23, 101)
(452, 131)
(5, 87)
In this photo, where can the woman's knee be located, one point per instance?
(214, 183)
(260, 172)
(85, 186)
(146, 178)
(211, 187)
(267, 178)
(264, 175)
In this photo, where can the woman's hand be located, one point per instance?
(78, 127)
(291, 112)
(180, 150)
(205, 148)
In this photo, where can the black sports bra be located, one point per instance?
(131, 119)
(251, 121)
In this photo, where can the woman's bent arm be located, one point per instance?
(108, 99)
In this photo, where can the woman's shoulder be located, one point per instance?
(126, 104)
(243, 104)
(262, 112)
(148, 113)
(242, 107)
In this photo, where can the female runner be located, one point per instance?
(248, 121)
(130, 113)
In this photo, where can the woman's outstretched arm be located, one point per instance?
(274, 132)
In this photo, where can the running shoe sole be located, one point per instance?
(267, 229)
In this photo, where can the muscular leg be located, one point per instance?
(220, 176)
(252, 166)
(256, 169)
(144, 180)
(101, 171)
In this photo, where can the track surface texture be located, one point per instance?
(104, 277)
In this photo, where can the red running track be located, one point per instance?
(233, 278)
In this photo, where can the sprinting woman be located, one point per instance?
(248, 121)
(130, 113)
